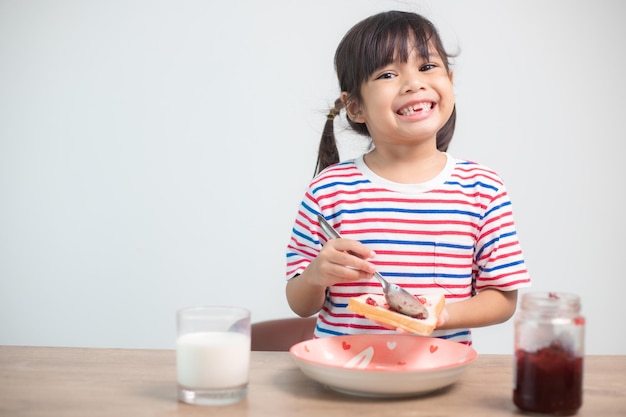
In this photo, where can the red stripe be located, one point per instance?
(408, 232)
(399, 200)
(424, 264)
(501, 276)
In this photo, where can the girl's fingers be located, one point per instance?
(353, 248)
(352, 262)
(351, 254)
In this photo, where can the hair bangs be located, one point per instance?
(394, 41)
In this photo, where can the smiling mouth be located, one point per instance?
(407, 111)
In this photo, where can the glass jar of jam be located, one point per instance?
(549, 350)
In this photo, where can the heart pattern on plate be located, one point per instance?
(383, 365)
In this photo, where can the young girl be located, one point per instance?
(425, 220)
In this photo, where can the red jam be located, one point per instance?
(549, 381)
(371, 302)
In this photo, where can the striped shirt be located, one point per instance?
(454, 234)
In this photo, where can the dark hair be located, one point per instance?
(371, 44)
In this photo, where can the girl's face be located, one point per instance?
(406, 102)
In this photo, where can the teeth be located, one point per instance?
(412, 109)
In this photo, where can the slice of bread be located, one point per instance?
(375, 308)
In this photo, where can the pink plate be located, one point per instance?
(387, 365)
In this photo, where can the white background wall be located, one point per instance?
(153, 153)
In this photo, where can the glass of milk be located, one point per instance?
(212, 354)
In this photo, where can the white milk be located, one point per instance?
(212, 359)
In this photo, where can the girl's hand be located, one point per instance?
(443, 317)
(338, 261)
(341, 260)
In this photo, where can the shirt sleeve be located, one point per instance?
(304, 244)
(499, 261)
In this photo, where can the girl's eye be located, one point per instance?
(428, 67)
(385, 76)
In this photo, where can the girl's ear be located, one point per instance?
(451, 75)
(352, 108)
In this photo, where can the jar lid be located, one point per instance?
(550, 302)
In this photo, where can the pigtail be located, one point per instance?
(328, 154)
(444, 135)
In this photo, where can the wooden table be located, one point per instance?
(88, 382)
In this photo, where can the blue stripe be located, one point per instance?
(332, 184)
(410, 211)
(424, 275)
(454, 276)
(416, 243)
(479, 252)
(342, 305)
(455, 245)
(309, 209)
(305, 237)
(472, 185)
(464, 334)
(492, 242)
(319, 329)
(520, 262)
(453, 335)
(496, 208)
(398, 242)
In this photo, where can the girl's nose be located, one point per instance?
(412, 83)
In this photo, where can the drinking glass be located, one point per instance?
(212, 354)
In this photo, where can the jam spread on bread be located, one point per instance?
(419, 316)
